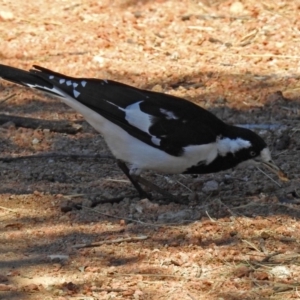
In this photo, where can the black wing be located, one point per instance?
(163, 121)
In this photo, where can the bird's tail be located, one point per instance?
(27, 78)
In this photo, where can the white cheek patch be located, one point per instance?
(169, 114)
(227, 145)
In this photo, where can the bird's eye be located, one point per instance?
(252, 153)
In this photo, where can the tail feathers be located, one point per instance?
(30, 79)
(21, 77)
(41, 71)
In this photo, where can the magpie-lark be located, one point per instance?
(147, 130)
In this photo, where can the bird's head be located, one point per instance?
(254, 152)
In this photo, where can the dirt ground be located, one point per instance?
(235, 236)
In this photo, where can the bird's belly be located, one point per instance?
(145, 157)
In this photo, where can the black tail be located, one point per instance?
(32, 78)
(22, 77)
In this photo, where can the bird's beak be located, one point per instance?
(272, 167)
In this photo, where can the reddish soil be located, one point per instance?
(237, 234)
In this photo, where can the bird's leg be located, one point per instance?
(156, 188)
(125, 169)
(136, 179)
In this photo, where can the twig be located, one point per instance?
(120, 240)
(263, 246)
(44, 57)
(215, 17)
(57, 155)
(8, 209)
(232, 213)
(252, 245)
(248, 205)
(211, 219)
(262, 126)
(268, 176)
(280, 153)
(191, 296)
(7, 98)
(171, 181)
(53, 125)
(117, 180)
(268, 257)
(251, 55)
(184, 277)
(184, 186)
(202, 28)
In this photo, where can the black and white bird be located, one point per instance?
(147, 130)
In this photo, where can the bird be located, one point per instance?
(147, 130)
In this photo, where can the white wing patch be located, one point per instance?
(227, 145)
(169, 114)
(134, 116)
(137, 118)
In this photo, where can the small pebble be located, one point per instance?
(236, 8)
(6, 15)
(35, 141)
(210, 186)
(281, 272)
